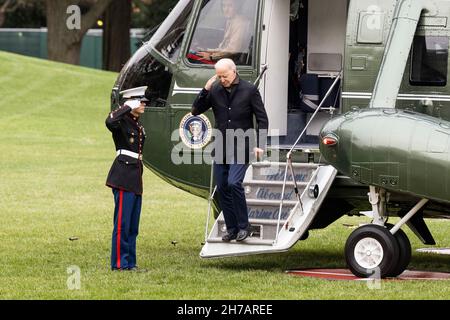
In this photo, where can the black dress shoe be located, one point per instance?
(228, 237)
(242, 235)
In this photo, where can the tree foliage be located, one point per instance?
(65, 45)
(32, 14)
(150, 13)
(22, 13)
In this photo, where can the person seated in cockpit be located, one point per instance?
(235, 35)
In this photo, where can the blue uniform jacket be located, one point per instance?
(128, 133)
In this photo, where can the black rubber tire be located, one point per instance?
(404, 252)
(389, 246)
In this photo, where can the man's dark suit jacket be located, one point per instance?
(235, 110)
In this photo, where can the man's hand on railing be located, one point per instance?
(258, 153)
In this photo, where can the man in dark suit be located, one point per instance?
(125, 179)
(234, 102)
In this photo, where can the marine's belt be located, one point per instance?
(129, 153)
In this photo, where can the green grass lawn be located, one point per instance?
(55, 155)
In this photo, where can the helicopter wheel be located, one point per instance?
(370, 250)
(404, 252)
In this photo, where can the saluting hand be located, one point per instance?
(137, 107)
(210, 82)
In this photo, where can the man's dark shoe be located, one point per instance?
(242, 235)
(228, 237)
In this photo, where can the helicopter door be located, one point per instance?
(275, 54)
(216, 29)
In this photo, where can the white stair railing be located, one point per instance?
(291, 151)
(210, 199)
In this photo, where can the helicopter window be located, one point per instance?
(429, 60)
(167, 40)
(225, 29)
(145, 70)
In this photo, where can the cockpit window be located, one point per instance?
(167, 40)
(429, 60)
(225, 29)
(144, 70)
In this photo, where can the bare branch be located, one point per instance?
(14, 7)
(5, 6)
(91, 16)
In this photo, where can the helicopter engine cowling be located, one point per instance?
(398, 150)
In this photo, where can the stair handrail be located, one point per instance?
(210, 199)
(289, 158)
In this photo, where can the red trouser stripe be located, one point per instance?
(119, 228)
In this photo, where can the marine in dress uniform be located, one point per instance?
(234, 102)
(125, 179)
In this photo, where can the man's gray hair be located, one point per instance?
(225, 63)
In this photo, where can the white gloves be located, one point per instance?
(133, 104)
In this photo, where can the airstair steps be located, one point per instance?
(246, 241)
(260, 229)
(272, 183)
(258, 221)
(301, 147)
(276, 172)
(269, 209)
(269, 222)
(262, 202)
(271, 190)
(282, 164)
(263, 185)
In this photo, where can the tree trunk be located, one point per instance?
(3, 10)
(61, 40)
(64, 45)
(116, 35)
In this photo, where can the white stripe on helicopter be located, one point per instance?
(177, 89)
(347, 95)
(368, 95)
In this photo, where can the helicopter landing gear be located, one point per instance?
(371, 250)
(404, 254)
(379, 249)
